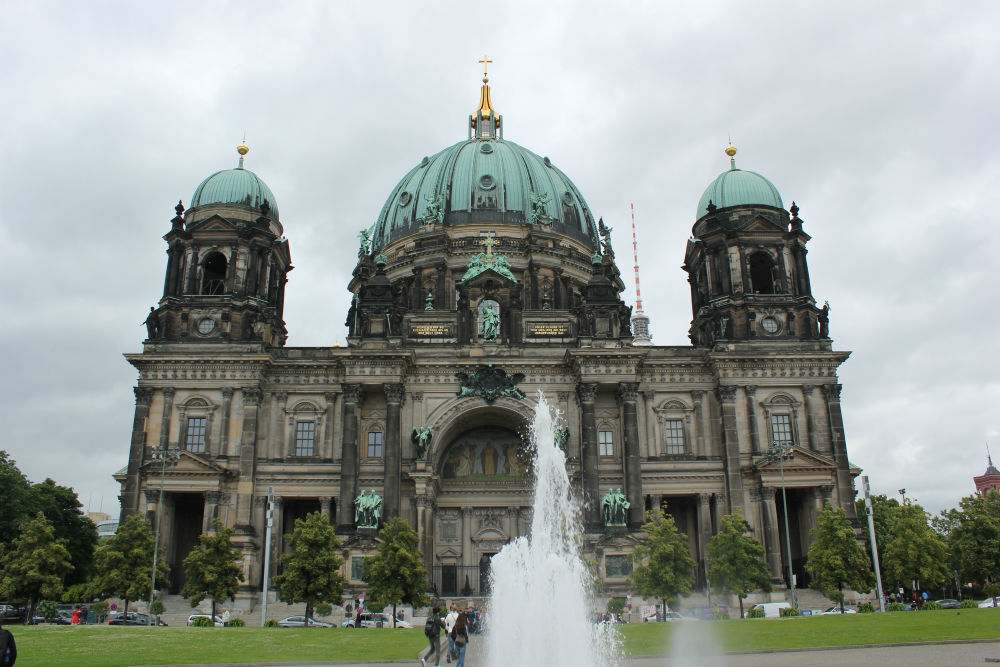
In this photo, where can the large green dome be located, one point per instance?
(485, 180)
(235, 186)
(736, 187)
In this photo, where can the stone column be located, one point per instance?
(277, 448)
(227, 409)
(324, 507)
(278, 531)
(771, 533)
(211, 508)
(704, 529)
(751, 392)
(392, 458)
(190, 282)
(168, 410)
(731, 448)
(810, 419)
(326, 444)
(700, 445)
(468, 557)
(137, 446)
(627, 396)
(586, 392)
(845, 485)
(349, 458)
(248, 454)
(152, 497)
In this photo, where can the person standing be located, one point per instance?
(449, 626)
(461, 633)
(8, 648)
(432, 629)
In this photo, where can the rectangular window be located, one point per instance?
(606, 442)
(674, 436)
(357, 568)
(195, 439)
(617, 567)
(374, 444)
(305, 438)
(781, 429)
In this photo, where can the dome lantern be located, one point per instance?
(485, 122)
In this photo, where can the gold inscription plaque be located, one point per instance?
(428, 330)
(548, 330)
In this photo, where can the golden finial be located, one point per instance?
(731, 151)
(243, 149)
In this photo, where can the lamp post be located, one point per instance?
(779, 451)
(165, 457)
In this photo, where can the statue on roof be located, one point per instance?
(435, 209)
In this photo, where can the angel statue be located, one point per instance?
(421, 438)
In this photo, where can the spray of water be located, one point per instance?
(539, 611)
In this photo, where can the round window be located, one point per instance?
(487, 182)
(206, 326)
(404, 199)
(486, 148)
(770, 325)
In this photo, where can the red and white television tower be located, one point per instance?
(640, 323)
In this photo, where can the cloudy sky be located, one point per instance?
(878, 119)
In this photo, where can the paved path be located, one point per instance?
(957, 654)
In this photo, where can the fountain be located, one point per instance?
(539, 611)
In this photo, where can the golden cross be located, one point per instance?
(489, 242)
(485, 61)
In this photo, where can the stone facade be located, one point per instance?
(680, 427)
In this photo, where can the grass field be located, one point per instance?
(104, 646)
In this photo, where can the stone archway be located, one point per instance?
(463, 414)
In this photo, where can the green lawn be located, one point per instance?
(104, 646)
(833, 630)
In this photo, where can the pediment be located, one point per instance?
(761, 224)
(487, 275)
(801, 459)
(450, 552)
(215, 223)
(189, 463)
(489, 535)
(614, 542)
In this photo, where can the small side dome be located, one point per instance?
(736, 187)
(235, 186)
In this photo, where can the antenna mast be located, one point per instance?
(640, 323)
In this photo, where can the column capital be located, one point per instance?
(832, 392)
(152, 497)
(279, 502)
(726, 393)
(807, 389)
(227, 395)
(394, 392)
(697, 394)
(251, 396)
(586, 391)
(213, 497)
(282, 396)
(258, 501)
(330, 397)
(768, 492)
(750, 389)
(352, 393)
(628, 392)
(704, 498)
(168, 392)
(143, 395)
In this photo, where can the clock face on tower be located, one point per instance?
(206, 326)
(770, 325)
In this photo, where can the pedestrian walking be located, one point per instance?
(461, 639)
(432, 630)
(449, 626)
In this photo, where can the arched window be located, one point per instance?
(762, 273)
(213, 279)
(196, 425)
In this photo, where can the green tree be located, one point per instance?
(15, 499)
(396, 573)
(915, 551)
(973, 537)
(212, 568)
(312, 567)
(35, 565)
(62, 507)
(123, 563)
(737, 560)
(836, 559)
(664, 568)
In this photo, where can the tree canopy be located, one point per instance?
(123, 563)
(312, 567)
(972, 531)
(212, 568)
(35, 565)
(836, 559)
(62, 507)
(664, 567)
(15, 499)
(915, 552)
(737, 560)
(396, 573)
